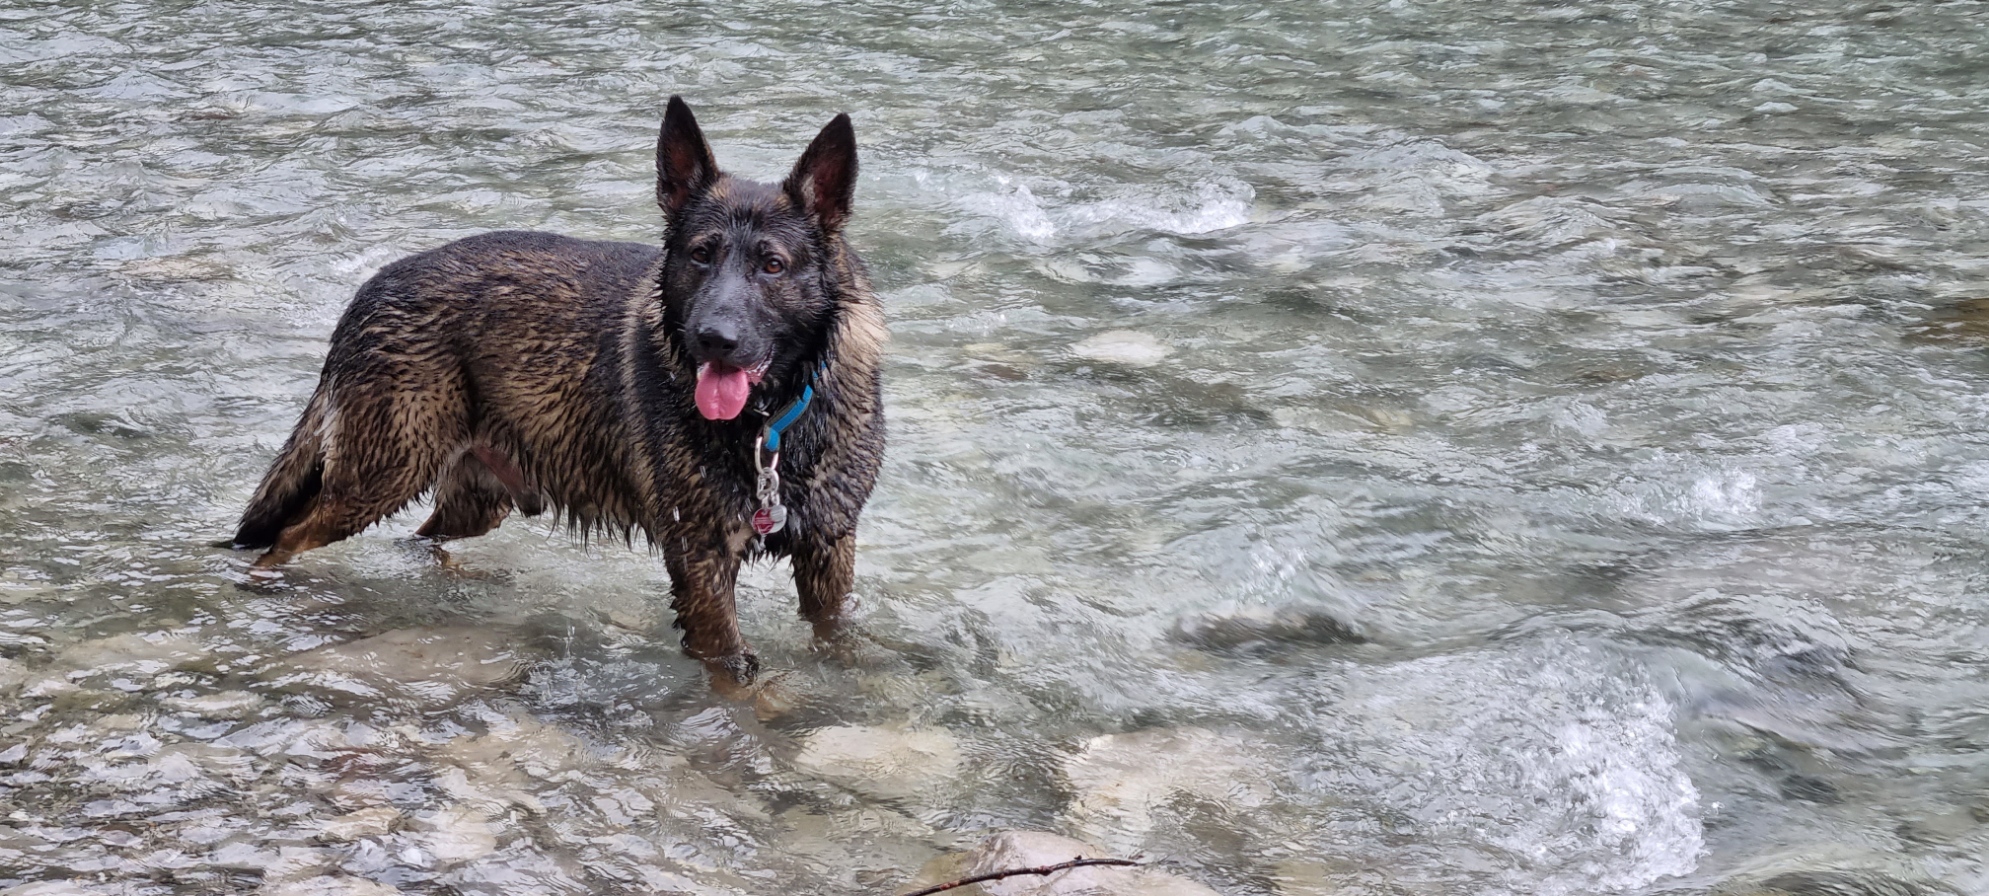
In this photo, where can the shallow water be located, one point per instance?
(1367, 448)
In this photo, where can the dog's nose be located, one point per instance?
(718, 339)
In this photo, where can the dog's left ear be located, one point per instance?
(684, 165)
(824, 181)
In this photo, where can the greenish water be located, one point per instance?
(1368, 448)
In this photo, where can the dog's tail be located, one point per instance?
(292, 481)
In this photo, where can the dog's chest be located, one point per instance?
(770, 494)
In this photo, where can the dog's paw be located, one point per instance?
(771, 696)
(732, 675)
(739, 668)
(455, 568)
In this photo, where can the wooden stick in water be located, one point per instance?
(1078, 862)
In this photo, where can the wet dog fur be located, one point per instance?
(529, 371)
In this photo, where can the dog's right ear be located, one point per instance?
(824, 180)
(684, 165)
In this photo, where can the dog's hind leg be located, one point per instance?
(386, 444)
(470, 500)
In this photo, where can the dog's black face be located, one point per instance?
(744, 279)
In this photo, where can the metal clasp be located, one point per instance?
(770, 517)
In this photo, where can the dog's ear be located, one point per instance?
(684, 165)
(825, 179)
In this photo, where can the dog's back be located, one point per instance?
(487, 367)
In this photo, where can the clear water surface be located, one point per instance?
(1360, 447)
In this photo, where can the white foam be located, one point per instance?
(1207, 206)
(1211, 205)
(1016, 208)
(1417, 176)
(1685, 495)
(1553, 763)
(1729, 493)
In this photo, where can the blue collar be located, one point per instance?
(792, 412)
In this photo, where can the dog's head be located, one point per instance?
(748, 280)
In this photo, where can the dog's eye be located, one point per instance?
(701, 255)
(773, 266)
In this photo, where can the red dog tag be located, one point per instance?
(768, 520)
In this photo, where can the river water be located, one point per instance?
(1428, 447)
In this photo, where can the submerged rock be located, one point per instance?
(1128, 347)
(220, 705)
(359, 792)
(147, 653)
(1242, 627)
(12, 675)
(375, 822)
(1118, 781)
(428, 665)
(223, 763)
(1032, 849)
(881, 762)
(1312, 877)
(1965, 321)
(503, 766)
(285, 865)
(1837, 883)
(51, 888)
(456, 834)
(178, 268)
(329, 885)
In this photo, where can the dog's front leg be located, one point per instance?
(824, 572)
(701, 586)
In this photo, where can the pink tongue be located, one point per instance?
(722, 391)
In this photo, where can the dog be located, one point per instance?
(721, 393)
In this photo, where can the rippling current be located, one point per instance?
(1427, 447)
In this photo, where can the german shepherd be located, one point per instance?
(611, 383)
